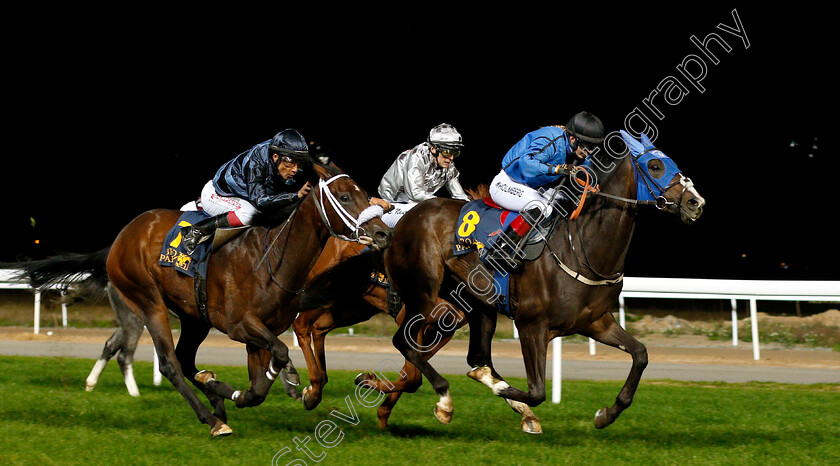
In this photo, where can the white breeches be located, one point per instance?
(400, 208)
(215, 204)
(519, 197)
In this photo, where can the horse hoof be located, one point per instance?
(443, 416)
(221, 429)
(309, 402)
(361, 378)
(531, 426)
(89, 388)
(602, 419)
(203, 377)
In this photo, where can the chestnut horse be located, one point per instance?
(573, 287)
(253, 287)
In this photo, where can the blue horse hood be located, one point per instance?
(648, 187)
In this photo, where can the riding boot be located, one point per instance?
(508, 248)
(193, 235)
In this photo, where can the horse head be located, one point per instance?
(346, 211)
(659, 180)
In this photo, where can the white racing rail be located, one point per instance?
(634, 287)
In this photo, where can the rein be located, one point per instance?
(267, 247)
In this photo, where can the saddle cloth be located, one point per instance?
(480, 224)
(172, 254)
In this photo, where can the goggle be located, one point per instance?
(587, 146)
(288, 162)
(448, 153)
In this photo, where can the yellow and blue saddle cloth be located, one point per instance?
(173, 255)
(480, 224)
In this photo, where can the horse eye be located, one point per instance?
(344, 197)
(655, 166)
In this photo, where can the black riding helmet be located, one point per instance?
(289, 143)
(586, 127)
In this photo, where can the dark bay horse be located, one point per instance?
(253, 287)
(339, 295)
(572, 288)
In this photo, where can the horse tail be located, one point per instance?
(86, 272)
(349, 278)
(479, 192)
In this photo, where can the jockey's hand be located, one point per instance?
(304, 190)
(386, 206)
(564, 169)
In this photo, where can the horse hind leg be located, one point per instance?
(193, 333)
(112, 347)
(609, 332)
(156, 317)
(406, 342)
(132, 328)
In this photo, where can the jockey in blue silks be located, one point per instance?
(536, 163)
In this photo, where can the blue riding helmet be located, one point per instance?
(648, 187)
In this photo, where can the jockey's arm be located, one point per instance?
(386, 206)
(538, 158)
(456, 190)
(260, 192)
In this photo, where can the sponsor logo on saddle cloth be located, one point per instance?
(479, 224)
(172, 254)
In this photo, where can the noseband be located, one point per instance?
(352, 223)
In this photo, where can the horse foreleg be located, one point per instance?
(607, 331)
(533, 338)
(483, 325)
(304, 328)
(488, 376)
(252, 331)
(259, 361)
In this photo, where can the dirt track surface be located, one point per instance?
(682, 349)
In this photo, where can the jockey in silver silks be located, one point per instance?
(417, 174)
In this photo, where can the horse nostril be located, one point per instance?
(383, 235)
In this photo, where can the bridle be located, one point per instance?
(352, 223)
(660, 202)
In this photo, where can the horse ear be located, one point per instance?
(321, 171)
(646, 141)
(635, 146)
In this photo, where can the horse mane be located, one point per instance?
(479, 192)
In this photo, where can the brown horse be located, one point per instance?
(253, 287)
(333, 299)
(549, 297)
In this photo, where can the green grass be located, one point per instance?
(50, 419)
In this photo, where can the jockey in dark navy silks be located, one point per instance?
(261, 178)
(258, 179)
(536, 163)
